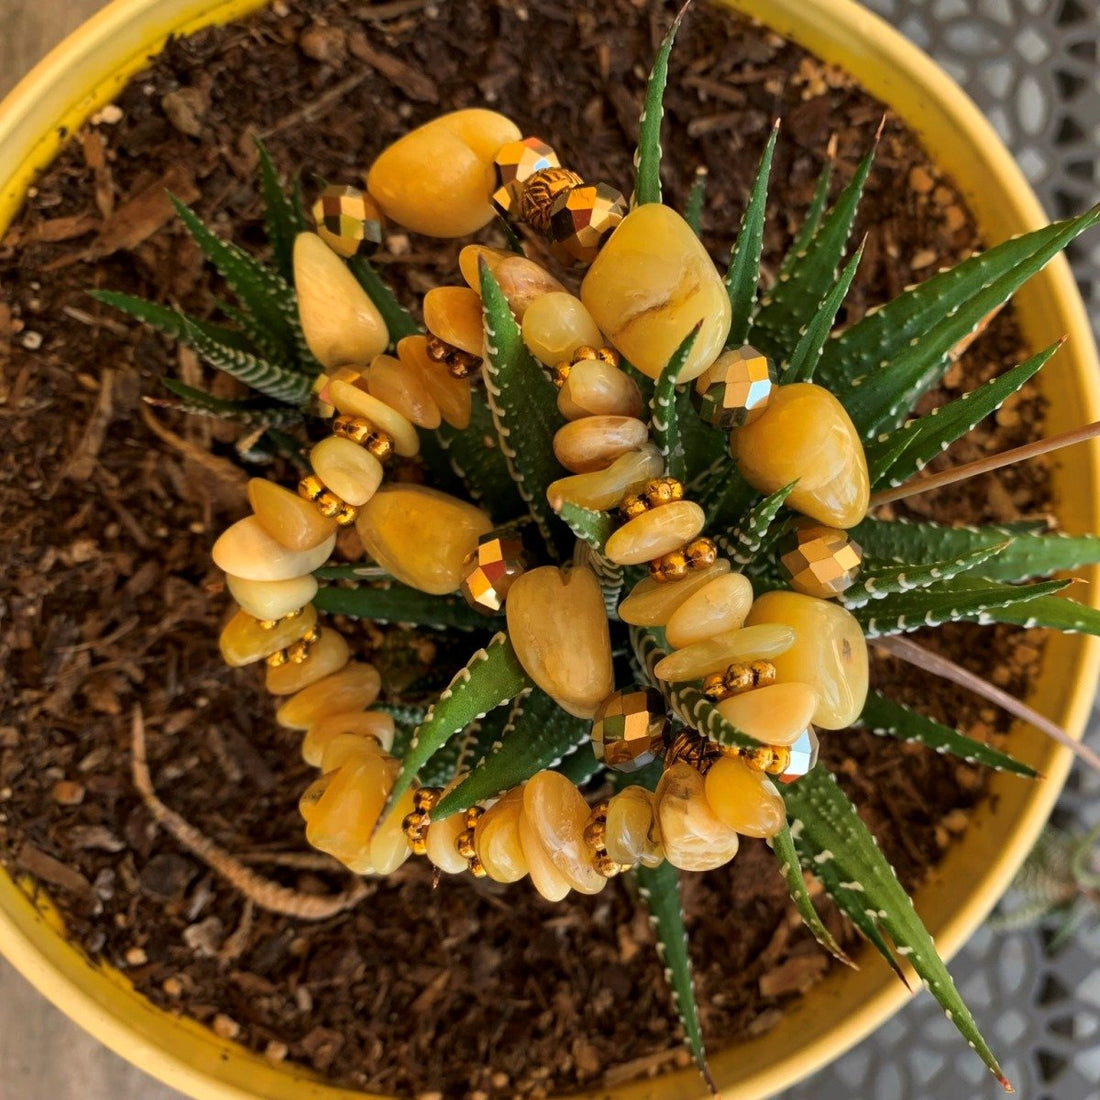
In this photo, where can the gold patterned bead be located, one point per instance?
(701, 553)
(736, 389)
(464, 844)
(348, 221)
(820, 561)
(490, 571)
(425, 799)
(628, 731)
(473, 815)
(763, 673)
(691, 747)
(582, 218)
(669, 567)
(539, 192)
(513, 164)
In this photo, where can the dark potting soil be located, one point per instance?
(109, 510)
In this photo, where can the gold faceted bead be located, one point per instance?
(628, 730)
(662, 490)
(582, 218)
(820, 561)
(464, 844)
(669, 567)
(736, 389)
(513, 164)
(348, 221)
(425, 799)
(540, 189)
(490, 571)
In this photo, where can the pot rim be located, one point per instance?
(88, 69)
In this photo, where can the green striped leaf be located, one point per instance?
(693, 212)
(280, 216)
(1052, 612)
(647, 158)
(667, 416)
(255, 414)
(742, 543)
(400, 604)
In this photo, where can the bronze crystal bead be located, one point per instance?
(803, 756)
(628, 731)
(539, 192)
(348, 221)
(582, 218)
(737, 389)
(490, 571)
(820, 561)
(513, 164)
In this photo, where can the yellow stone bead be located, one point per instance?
(453, 314)
(656, 532)
(719, 605)
(369, 723)
(340, 322)
(437, 180)
(451, 395)
(557, 814)
(353, 401)
(421, 536)
(775, 715)
(469, 262)
(388, 846)
(441, 850)
(272, 599)
(631, 834)
(247, 551)
(555, 325)
(805, 435)
(523, 282)
(652, 603)
(545, 877)
(497, 838)
(744, 799)
(693, 837)
(353, 688)
(650, 285)
(601, 490)
(596, 388)
(348, 748)
(404, 390)
(328, 655)
(557, 625)
(244, 640)
(713, 654)
(348, 470)
(830, 653)
(286, 517)
(593, 443)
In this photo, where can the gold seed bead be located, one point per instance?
(607, 355)
(297, 652)
(662, 490)
(604, 865)
(701, 553)
(425, 799)
(328, 503)
(560, 372)
(477, 868)
(473, 814)
(772, 759)
(276, 659)
(271, 624)
(632, 506)
(595, 832)
(464, 844)
(355, 428)
(763, 673)
(738, 678)
(669, 567)
(311, 488)
(461, 364)
(414, 825)
(539, 192)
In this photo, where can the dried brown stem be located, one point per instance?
(917, 655)
(257, 889)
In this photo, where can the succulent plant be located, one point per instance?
(708, 418)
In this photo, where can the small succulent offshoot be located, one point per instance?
(650, 505)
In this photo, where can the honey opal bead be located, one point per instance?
(353, 401)
(776, 714)
(451, 395)
(523, 282)
(437, 180)
(693, 836)
(350, 471)
(651, 284)
(718, 606)
(243, 640)
(557, 814)
(655, 532)
(440, 844)
(405, 390)
(545, 877)
(631, 831)
(453, 314)
(272, 599)
(327, 655)
(596, 388)
(246, 550)
(652, 603)
(744, 799)
(596, 441)
(713, 654)
(286, 517)
(805, 435)
(829, 654)
(353, 688)
(497, 839)
(368, 723)
(469, 262)
(557, 624)
(421, 536)
(388, 846)
(556, 325)
(604, 489)
(339, 321)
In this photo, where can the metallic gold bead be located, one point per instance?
(540, 189)
(595, 831)
(513, 164)
(267, 624)
(632, 506)
(328, 504)
(380, 444)
(425, 799)
(803, 756)
(276, 659)
(691, 747)
(628, 731)
(662, 490)
(701, 553)
(560, 372)
(347, 515)
(311, 487)
(606, 866)
(472, 815)
(491, 570)
(348, 221)
(464, 844)
(736, 389)
(669, 567)
(582, 218)
(772, 759)
(354, 428)
(299, 651)
(460, 364)
(820, 561)
(607, 355)
(414, 826)
(763, 673)
(477, 868)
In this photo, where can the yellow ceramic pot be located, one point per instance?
(89, 69)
